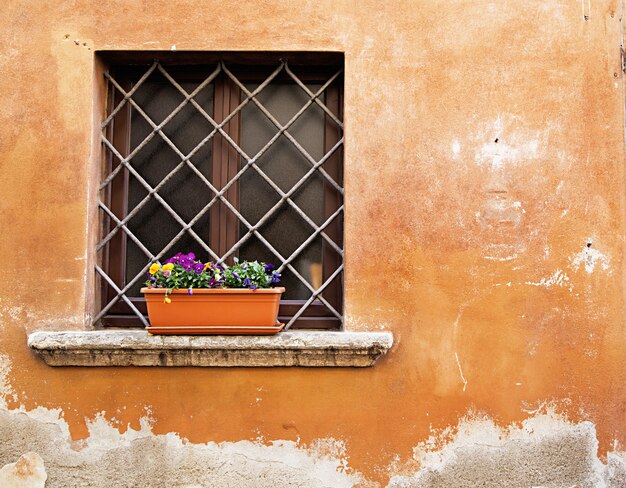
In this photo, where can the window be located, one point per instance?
(223, 154)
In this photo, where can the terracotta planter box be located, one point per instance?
(214, 311)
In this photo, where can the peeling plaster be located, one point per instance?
(138, 457)
(142, 458)
(546, 450)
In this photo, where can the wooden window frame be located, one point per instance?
(224, 226)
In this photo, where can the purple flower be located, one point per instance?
(275, 277)
(249, 284)
(198, 268)
(235, 275)
(189, 291)
(269, 268)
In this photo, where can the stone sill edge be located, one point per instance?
(138, 348)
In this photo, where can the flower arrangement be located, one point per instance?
(185, 271)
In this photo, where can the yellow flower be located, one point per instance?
(167, 299)
(154, 268)
(168, 267)
(207, 265)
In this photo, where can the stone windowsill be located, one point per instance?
(138, 348)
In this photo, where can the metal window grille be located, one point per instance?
(222, 130)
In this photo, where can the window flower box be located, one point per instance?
(185, 296)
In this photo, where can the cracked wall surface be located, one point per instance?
(484, 227)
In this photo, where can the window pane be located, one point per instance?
(185, 192)
(285, 165)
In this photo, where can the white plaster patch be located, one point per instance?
(355, 324)
(14, 313)
(499, 153)
(510, 257)
(477, 452)
(103, 436)
(558, 278)
(590, 258)
(25, 316)
(456, 148)
(6, 390)
(507, 142)
(330, 448)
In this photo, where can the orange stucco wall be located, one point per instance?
(474, 253)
